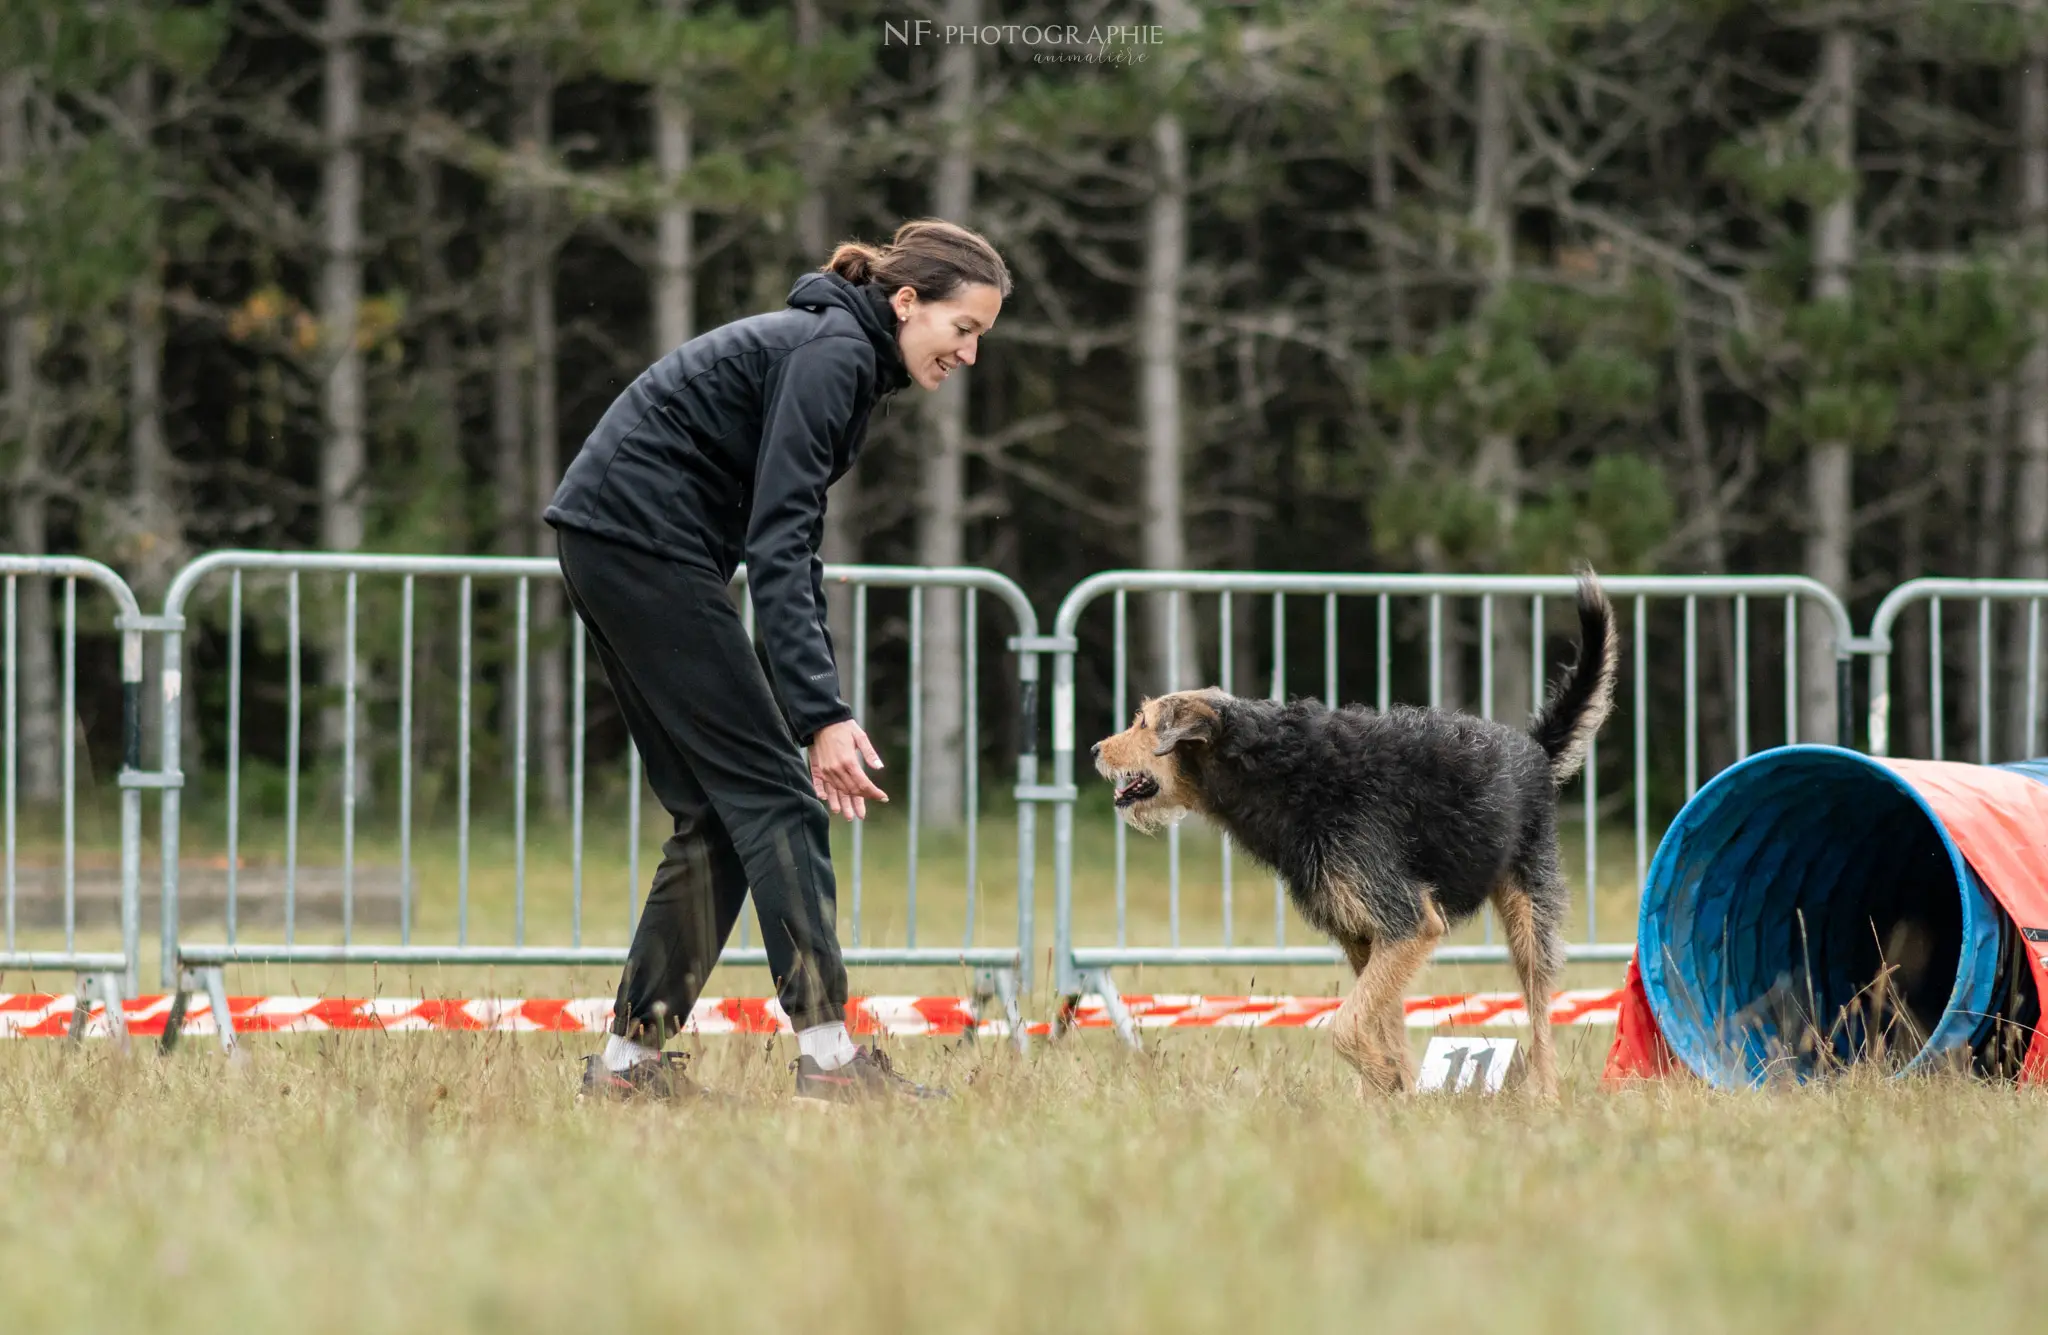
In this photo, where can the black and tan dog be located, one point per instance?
(1389, 828)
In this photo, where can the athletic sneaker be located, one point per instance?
(657, 1077)
(869, 1075)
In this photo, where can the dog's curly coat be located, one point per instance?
(1389, 828)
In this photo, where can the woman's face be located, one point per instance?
(939, 336)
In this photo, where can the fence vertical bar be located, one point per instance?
(169, 807)
(291, 765)
(13, 749)
(70, 754)
(1983, 681)
(1173, 602)
(2033, 676)
(1329, 651)
(1592, 839)
(1741, 676)
(520, 685)
(916, 758)
(1936, 708)
(970, 752)
(1486, 678)
(406, 595)
(1692, 697)
(348, 763)
(1224, 643)
(466, 624)
(1791, 670)
(578, 687)
(1120, 670)
(1279, 693)
(1486, 712)
(1383, 655)
(234, 750)
(860, 708)
(1436, 651)
(1641, 655)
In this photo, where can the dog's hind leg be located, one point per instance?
(1369, 1039)
(1538, 951)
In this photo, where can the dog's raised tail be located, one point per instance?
(1580, 703)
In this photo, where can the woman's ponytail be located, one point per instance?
(854, 262)
(933, 257)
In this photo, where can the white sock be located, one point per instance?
(829, 1045)
(619, 1053)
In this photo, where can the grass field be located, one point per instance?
(1221, 1183)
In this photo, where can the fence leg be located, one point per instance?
(174, 1022)
(1113, 1002)
(108, 990)
(216, 985)
(1102, 985)
(1001, 985)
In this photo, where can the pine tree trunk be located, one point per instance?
(1993, 476)
(36, 664)
(675, 297)
(1244, 530)
(1828, 469)
(1159, 384)
(1498, 468)
(157, 537)
(510, 368)
(815, 234)
(342, 391)
(1720, 731)
(1910, 642)
(434, 636)
(941, 531)
(549, 648)
(2030, 503)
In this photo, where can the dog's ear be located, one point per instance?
(1185, 718)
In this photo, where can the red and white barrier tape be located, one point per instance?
(42, 1015)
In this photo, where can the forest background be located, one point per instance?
(1486, 287)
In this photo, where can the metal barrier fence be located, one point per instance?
(1982, 686)
(1084, 967)
(105, 976)
(1988, 660)
(190, 964)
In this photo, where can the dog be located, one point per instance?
(1389, 828)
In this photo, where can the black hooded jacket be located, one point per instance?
(722, 451)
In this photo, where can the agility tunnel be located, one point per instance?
(1813, 907)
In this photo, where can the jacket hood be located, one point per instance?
(868, 305)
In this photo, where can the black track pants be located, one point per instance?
(720, 756)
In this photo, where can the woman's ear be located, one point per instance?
(904, 298)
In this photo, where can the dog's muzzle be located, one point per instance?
(1132, 789)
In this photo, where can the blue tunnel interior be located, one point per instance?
(1806, 908)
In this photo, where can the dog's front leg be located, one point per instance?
(1369, 1028)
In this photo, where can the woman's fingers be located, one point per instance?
(854, 782)
(867, 750)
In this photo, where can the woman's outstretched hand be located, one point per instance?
(837, 753)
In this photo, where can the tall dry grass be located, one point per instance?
(1221, 1183)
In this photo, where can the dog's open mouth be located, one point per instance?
(1132, 789)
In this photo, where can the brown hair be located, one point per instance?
(932, 257)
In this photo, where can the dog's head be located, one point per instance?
(1155, 786)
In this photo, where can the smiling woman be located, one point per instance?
(945, 285)
(720, 452)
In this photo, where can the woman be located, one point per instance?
(722, 452)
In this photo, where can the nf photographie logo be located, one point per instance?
(1106, 44)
